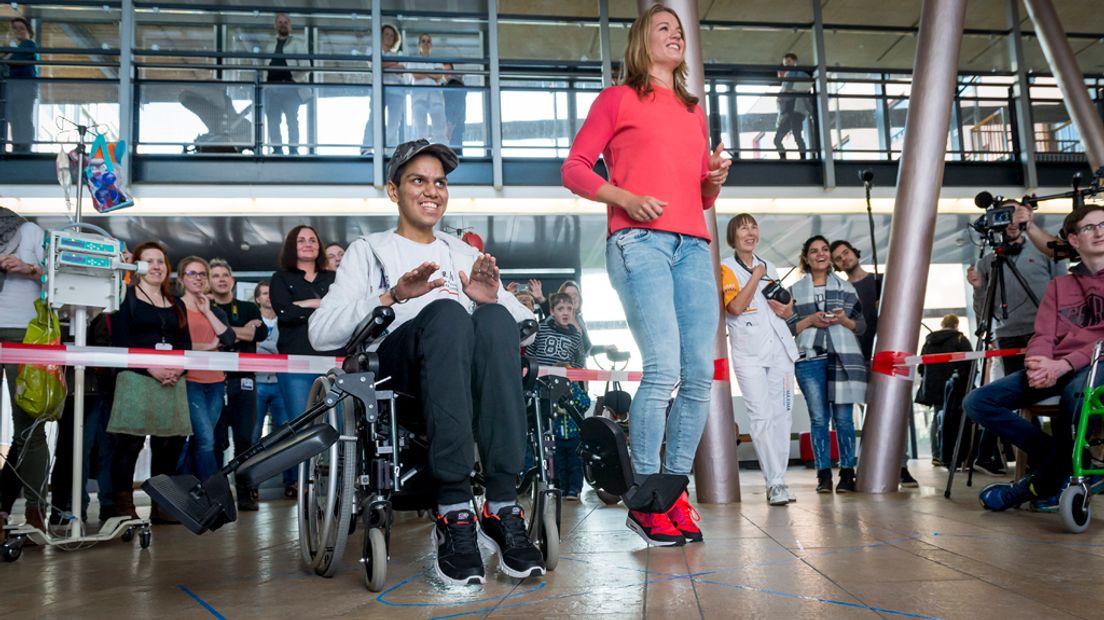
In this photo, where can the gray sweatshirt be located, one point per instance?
(1037, 270)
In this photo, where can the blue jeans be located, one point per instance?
(271, 401)
(812, 377)
(993, 407)
(295, 388)
(666, 285)
(205, 405)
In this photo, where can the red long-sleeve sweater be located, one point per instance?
(653, 146)
(1070, 318)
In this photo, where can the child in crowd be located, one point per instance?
(559, 342)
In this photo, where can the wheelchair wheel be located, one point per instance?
(375, 559)
(607, 498)
(1075, 509)
(550, 541)
(326, 493)
(544, 530)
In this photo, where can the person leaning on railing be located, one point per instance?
(21, 90)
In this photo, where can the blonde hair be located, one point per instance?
(634, 70)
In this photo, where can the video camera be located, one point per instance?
(996, 218)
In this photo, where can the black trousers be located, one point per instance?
(792, 122)
(239, 418)
(165, 455)
(464, 374)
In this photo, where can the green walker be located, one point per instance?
(1074, 503)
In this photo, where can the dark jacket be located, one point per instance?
(287, 288)
(934, 378)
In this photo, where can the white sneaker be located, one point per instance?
(790, 496)
(777, 495)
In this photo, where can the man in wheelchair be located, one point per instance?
(454, 349)
(1069, 323)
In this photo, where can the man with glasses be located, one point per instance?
(428, 103)
(282, 100)
(1068, 324)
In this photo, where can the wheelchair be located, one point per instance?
(1074, 503)
(357, 464)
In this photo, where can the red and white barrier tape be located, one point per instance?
(898, 364)
(116, 357)
(112, 357)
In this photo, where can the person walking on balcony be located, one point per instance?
(282, 100)
(794, 105)
(652, 134)
(20, 89)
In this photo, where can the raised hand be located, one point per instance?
(482, 287)
(416, 282)
(718, 167)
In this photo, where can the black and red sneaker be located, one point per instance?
(655, 528)
(458, 560)
(505, 534)
(683, 516)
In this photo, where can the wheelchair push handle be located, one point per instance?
(370, 329)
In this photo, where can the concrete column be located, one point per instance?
(1063, 64)
(918, 183)
(716, 468)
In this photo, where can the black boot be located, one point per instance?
(246, 501)
(846, 480)
(824, 481)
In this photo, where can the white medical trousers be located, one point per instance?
(768, 396)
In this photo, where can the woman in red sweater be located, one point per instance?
(653, 138)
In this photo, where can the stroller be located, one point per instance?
(228, 131)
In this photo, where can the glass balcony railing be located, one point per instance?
(201, 85)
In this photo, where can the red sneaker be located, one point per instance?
(682, 516)
(655, 528)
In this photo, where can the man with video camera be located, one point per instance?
(1069, 322)
(1013, 329)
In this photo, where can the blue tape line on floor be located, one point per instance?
(666, 577)
(214, 612)
(488, 599)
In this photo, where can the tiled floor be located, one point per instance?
(907, 555)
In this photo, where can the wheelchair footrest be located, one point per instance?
(198, 506)
(605, 454)
(285, 455)
(655, 493)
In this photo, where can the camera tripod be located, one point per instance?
(984, 333)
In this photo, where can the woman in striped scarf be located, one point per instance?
(831, 371)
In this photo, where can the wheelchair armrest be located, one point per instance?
(370, 329)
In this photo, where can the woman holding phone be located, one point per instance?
(826, 317)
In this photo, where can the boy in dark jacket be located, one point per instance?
(1069, 323)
